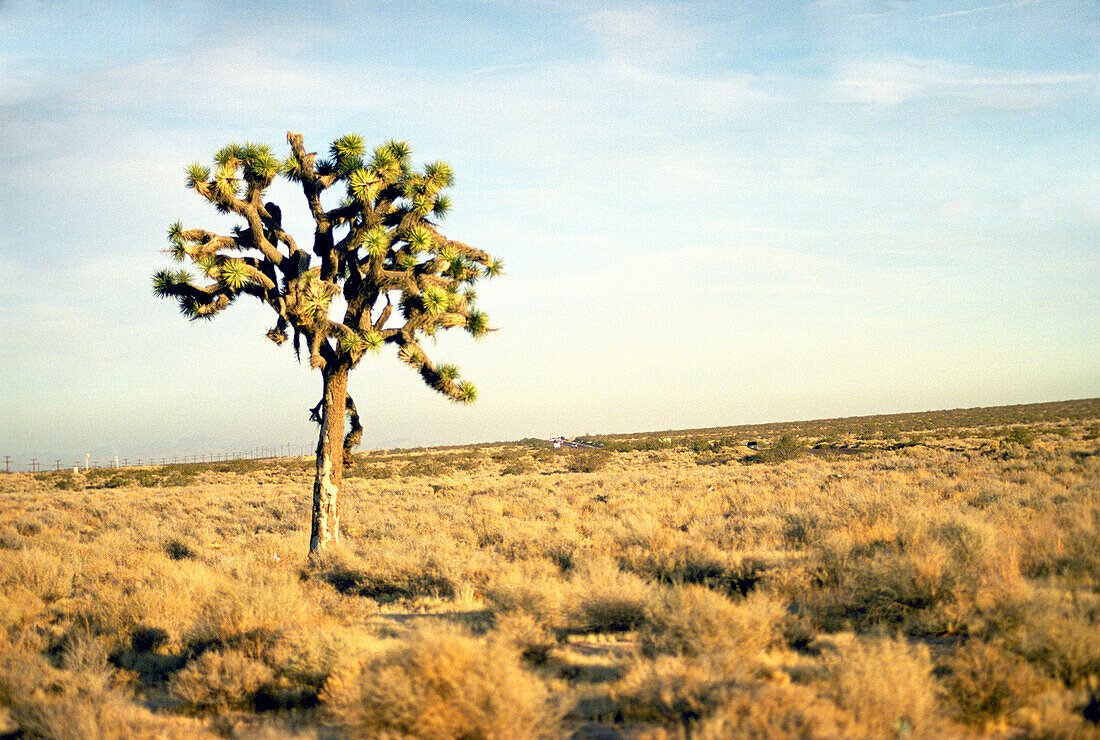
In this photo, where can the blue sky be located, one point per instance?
(710, 213)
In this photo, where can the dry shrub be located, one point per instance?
(886, 588)
(531, 587)
(886, 684)
(76, 701)
(528, 634)
(108, 717)
(880, 539)
(307, 657)
(1064, 544)
(672, 690)
(787, 447)
(690, 561)
(1057, 715)
(988, 684)
(121, 595)
(385, 579)
(588, 462)
(932, 577)
(178, 549)
(251, 613)
(11, 539)
(770, 711)
(440, 684)
(47, 575)
(693, 620)
(18, 608)
(221, 679)
(519, 466)
(603, 598)
(1057, 637)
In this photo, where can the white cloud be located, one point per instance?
(655, 35)
(21, 82)
(983, 9)
(728, 95)
(210, 83)
(903, 78)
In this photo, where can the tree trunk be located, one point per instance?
(329, 482)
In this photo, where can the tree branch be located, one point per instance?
(312, 186)
(355, 433)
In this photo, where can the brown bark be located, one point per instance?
(329, 480)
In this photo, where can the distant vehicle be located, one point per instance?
(558, 442)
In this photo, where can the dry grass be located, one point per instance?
(440, 683)
(895, 578)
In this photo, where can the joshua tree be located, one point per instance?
(378, 246)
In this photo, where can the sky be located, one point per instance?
(710, 213)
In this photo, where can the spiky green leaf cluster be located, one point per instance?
(178, 249)
(435, 301)
(412, 187)
(226, 185)
(316, 298)
(260, 165)
(190, 308)
(166, 281)
(196, 174)
(352, 344)
(363, 185)
(373, 340)
(228, 154)
(400, 150)
(347, 151)
(355, 344)
(208, 263)
(494, 268)
(291, 169)
(467, 392)
(392, 158)
(439, 174)
(477, 323)
(234, 274)
(377, 241)
(411, 356)
(419, 239)
(442, 205)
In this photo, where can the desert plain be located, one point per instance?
(915, 575)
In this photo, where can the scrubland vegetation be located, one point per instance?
(921, 576)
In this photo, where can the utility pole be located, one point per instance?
(34, 465)
(7, 463)
(59, 466)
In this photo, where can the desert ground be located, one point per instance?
(918, 575)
